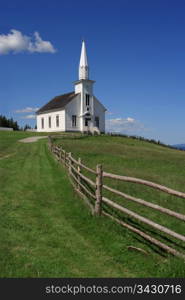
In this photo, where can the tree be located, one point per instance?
(27, 127)
(10, 123)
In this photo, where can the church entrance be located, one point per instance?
(87, 122)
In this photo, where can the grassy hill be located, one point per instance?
(47, 231)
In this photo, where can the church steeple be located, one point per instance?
(83, 66)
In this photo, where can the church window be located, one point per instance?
(87, 99)
(42, 123)
(97, 122)
(49, 121)
(57, 121)
(74, 121)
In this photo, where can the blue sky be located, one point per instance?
(136, 52)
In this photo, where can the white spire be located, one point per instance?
(83, 67)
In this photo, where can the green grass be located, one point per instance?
(130, 157)
(47, 231)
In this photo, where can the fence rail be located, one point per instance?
(92, 192)
(145, 182)
(145, 203)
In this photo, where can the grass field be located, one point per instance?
(47, 231)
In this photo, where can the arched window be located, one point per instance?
(49, 122)
(42, 123)
(97, 122)
(74, 121)
(57, 121)
(87, 99)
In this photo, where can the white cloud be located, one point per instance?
(16, 42)
(130, 120)
(29, 117)
(26, 110)
(41, 46)
(125, 125)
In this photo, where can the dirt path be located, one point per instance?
(32, 139)
(7, 156)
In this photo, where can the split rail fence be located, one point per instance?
(92, 192)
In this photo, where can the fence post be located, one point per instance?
(61, 154)
(79, 171)
(58, 154)
(69, 156)
(52, 147)
(49, 142)
(64, 158)
(99, 183)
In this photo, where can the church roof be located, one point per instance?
(57, 102)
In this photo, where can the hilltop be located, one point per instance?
(46, 229)
(179, 146)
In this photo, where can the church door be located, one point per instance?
(87, 122)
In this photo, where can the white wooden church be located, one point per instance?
(79, 110)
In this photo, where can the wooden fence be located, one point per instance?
(92, 193)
